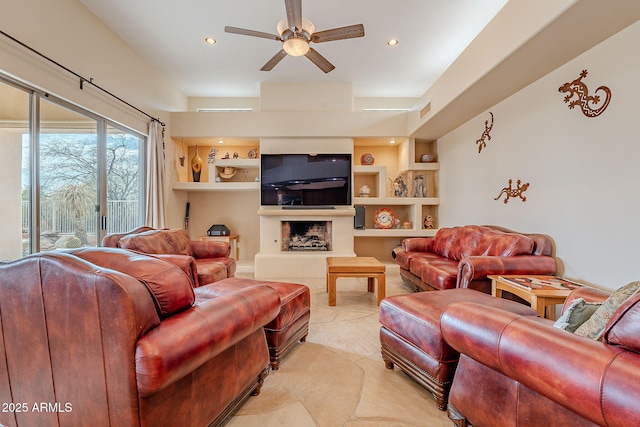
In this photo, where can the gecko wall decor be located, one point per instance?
(486, 136)
(585, 101)
(509, 191)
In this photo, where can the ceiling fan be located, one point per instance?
(296, 32)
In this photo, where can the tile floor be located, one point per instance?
(338, 378)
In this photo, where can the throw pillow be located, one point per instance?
(576, 314)
(594, 327)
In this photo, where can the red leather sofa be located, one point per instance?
(463, 257)
(521, 371)
(212, 259)
(109, 337)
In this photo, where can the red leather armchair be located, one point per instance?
(463, 257)
(108, 337)
(532, 374)
(212, 259)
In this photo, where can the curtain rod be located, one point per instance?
(82, 79)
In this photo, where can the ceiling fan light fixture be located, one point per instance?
(296, 46)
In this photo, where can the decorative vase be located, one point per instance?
(426, 158)
(367, 159)
(196, 166)
(365, 191)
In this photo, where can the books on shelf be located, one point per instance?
(541, 283)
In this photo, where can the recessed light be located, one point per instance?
(220, 141)
(210, 40)
(392, 141)
(393, 42)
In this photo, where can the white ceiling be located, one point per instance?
(170, 36)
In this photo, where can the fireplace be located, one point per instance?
(305, 236)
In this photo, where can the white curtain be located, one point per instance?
(155, 176)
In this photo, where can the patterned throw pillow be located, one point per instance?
(594, 327)
(576, 314)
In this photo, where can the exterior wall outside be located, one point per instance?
(582, 171)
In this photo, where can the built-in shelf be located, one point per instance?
(246, 171)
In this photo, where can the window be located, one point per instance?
(71, 176)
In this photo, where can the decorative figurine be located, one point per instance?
(428, 222)
(400, 187)
(419, 187)
(211, 157)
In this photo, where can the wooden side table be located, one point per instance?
(235, 238)
(368, 267)
(538, 298)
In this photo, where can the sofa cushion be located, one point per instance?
(465, 241)
(594, 327)
(438, 272)
(174, 241)
(497, 243)
(169, 285)
(444, 239)
(576, 314)
(623, 328)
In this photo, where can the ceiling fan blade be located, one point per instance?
(294, 14)
(244, 32)
(274, 61)
(320, 60)
(341, 33)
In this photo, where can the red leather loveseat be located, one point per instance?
(109, 337)
(521, 371)
(463, 257)
(212, 260)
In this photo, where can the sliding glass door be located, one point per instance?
(68, 176)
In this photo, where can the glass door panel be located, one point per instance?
(124, 181)
(68, 168)
(15, 194)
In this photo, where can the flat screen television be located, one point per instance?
(305, 180)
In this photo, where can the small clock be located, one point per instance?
(253, 154)
(384, 218)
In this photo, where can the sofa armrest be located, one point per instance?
(210, 249)
(185, 341)
(418, 244)
(479, 267)
(586, 376)
(588, 294)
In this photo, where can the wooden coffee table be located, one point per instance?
(538, 298)
(368, 267)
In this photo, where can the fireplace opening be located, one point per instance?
(306, 236)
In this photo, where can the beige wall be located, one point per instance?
(582, 171)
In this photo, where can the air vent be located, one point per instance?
(425, 110)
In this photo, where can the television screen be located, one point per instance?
(305, 180)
